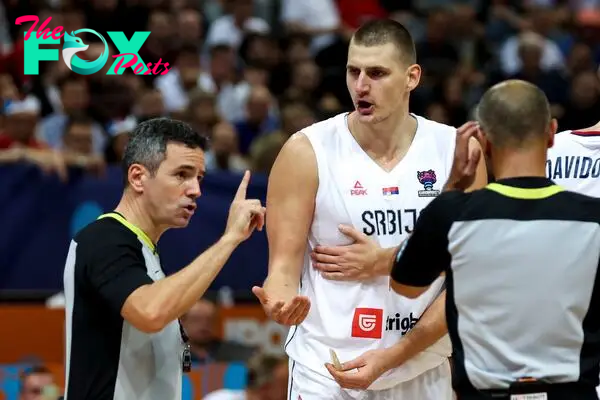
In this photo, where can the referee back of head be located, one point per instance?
(521, 258)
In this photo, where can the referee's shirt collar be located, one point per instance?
(526, 182)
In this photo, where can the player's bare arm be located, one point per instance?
(293, 184)
(151, 307)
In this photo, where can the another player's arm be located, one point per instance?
(291, 193)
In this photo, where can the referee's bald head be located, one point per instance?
(514, 113)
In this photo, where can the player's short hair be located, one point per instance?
(514, 112)
(147, 143)
(378, 32)
(261, 368)
(34, 370)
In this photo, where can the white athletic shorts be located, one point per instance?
(305, 384)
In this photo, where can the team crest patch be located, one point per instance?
(428, 180)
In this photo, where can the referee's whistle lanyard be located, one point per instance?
(204, 365)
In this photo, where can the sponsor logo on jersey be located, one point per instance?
(367, 323)
(358, 190)
(390, 191)
(397, 323)
(428, 180)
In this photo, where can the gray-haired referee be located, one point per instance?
(521, 259)
(124, 341)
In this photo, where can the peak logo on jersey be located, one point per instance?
(390, 191)
(358, 190)
(427, 179)
(367, 323)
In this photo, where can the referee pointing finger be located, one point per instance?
(124, 340)
(521, 261)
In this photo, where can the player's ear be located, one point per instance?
(413, 77)
(552, 131)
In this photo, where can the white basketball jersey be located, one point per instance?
(574, 161)
(354, 317)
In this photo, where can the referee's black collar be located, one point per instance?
(526, 182)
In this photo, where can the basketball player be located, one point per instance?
(574, 160)
(375, 169)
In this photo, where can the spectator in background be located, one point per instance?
(264, 151)
(200, 326)
(230, 28)
(267, 379)
(20, 120)
(181, 79)
(149, 105)
(74, 97)
(77, 145)
(37, 383)
(202, 112)
(190, 26)
(258, 120)
(538, 20)
(224, 152)
(305, 81)
(582, 107)
(119, 133)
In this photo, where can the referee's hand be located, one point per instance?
(466, 157)
(245, 215)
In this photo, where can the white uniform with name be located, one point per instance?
(574, 163)
(354, 317)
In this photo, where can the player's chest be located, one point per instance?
(415, 184)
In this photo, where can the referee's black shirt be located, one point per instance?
(108, 358)
(521, 259)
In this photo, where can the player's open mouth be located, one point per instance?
(364, 107)
(190, 208)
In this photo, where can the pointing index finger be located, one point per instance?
(241, 192)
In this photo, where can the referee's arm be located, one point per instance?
(119, 275)
(115, 272)
(424, 256)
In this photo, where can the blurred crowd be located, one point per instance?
(249, 73)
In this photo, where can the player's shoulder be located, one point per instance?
(325, 127)
(434, 127)
(105, 232)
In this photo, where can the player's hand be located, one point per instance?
(466, 159)
(354, 262)
(361, 372)
(284, 307)
(245, 215)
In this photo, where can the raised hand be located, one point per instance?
(466, 158)
(245, 215)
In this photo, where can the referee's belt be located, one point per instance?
(531, 389)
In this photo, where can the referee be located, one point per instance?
(521, 259)
(123, 337)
